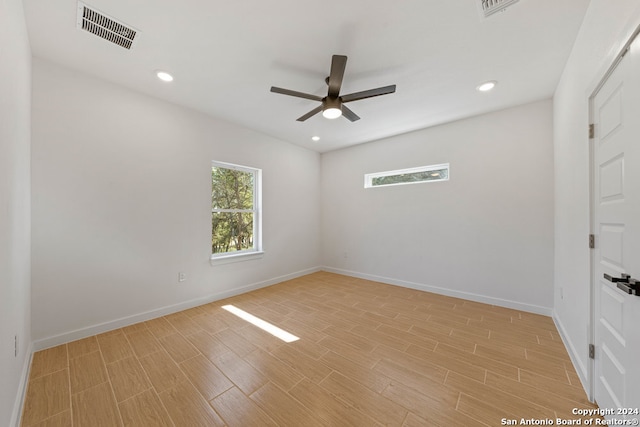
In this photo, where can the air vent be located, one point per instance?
(105, 27)
(489, 7)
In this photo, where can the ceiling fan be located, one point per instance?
(332, 105)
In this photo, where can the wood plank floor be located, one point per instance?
(369, 354)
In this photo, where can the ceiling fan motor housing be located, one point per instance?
(329, 102)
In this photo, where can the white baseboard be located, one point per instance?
(163, 311)
(530, 308)
(579, 366)
(22, 389)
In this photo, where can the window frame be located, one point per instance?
(369, 177)
(255, 252)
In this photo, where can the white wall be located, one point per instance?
(121, 204)
(15, 113)
(606, 28)
(487, 234)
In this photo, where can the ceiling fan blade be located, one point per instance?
(368, 93)
(338, 65)
(310, 114)
(296, 94)
(347, 113)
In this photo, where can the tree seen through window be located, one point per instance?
(233, 210)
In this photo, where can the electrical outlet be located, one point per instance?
(182, 277)
(345, 255)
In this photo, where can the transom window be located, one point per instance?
(235, 210)
(408, 176)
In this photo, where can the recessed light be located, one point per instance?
(164, 76)
(487, 86)
(315, 138)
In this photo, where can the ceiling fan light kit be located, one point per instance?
(331, 108)
(331, 113)
(332, 105)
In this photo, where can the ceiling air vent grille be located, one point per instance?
(489, 7)
(105, 27)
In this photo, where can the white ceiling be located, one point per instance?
(225, 56)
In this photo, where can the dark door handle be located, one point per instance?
(625, 283)
(626, 288)
(624, 279)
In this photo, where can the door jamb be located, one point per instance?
(591, 366)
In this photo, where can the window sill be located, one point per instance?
(227, 259)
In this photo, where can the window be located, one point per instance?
(235, 212)
(408, 176)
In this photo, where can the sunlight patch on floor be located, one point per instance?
(265, 326)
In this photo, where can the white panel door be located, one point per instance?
(616, 224)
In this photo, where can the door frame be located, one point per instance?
(591, 367)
